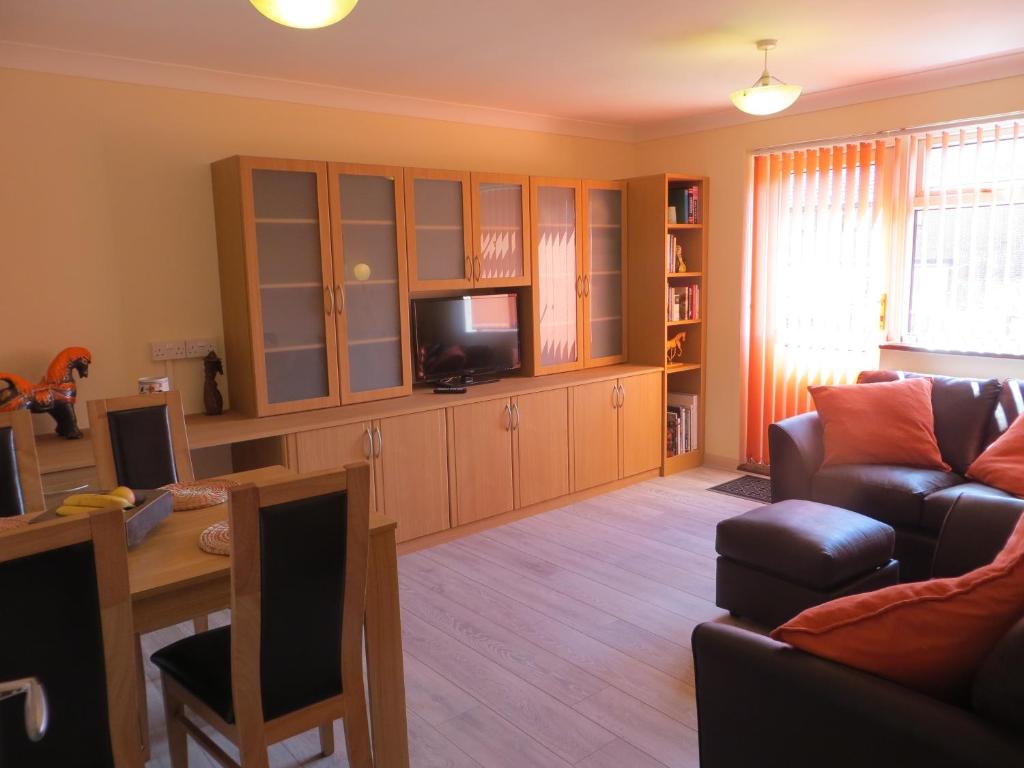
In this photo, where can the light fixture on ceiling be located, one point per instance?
(305, 14)
(765, 97)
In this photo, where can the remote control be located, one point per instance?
(445, 389)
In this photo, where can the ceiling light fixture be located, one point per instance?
(305, 14)
(764, 97)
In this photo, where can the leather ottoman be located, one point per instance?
(775, 561)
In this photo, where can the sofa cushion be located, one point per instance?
(938, 504)
(933, 636)
(998, 691)
(963, 411)
(1009, 406)
(815, 545)
(887, 423)
(894, 495)
(1002, 463)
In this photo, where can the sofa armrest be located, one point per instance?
(974, 532)
(767, 704)
(796, 447)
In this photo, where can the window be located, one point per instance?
(964, 282)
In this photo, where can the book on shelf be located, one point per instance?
(686, 201)
(681, 423)
(674, 254)
(683, 303)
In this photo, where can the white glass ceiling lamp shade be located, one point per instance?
(305, 14)
(765, 97)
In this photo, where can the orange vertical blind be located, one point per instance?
(817, 272)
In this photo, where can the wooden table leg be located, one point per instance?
(385, 670)
(143, 707)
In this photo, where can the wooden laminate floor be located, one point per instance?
(559, 640)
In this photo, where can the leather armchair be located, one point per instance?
(975, 531)
(767, 704)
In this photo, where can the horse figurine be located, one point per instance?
(674, 347)
(213, 400)
(55, 393)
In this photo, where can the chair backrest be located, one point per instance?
(140, 441)
(67, 618)
(21, 490)
(298, 576)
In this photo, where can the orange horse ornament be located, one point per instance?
(54, 394)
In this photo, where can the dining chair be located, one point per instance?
(67, 649)
(21, 490)
(140, 441)
(291, 660)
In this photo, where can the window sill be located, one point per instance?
(929, 351)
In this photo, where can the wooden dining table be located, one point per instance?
(172, 580)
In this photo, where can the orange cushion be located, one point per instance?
(928, 635)
(885, 423)
(1001, 465)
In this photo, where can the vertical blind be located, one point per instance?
(816, 277)
(937, 216)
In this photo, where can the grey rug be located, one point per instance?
(747, 487)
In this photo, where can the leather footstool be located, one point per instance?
(778, 560)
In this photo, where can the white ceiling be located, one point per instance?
(625, 64)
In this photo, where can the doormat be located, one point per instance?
(747, 487)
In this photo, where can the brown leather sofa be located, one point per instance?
(764, 703)
(969, 415)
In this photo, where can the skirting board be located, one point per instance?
(451, 534)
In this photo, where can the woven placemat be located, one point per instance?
(200, 494)
(216, 540)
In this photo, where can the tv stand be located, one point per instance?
(469, 379)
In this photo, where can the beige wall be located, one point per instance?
(106, 230)
(723, 154)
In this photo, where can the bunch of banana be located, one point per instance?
(86, 502)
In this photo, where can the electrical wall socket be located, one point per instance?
(167, 350)
(199, 347)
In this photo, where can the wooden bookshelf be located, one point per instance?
(651, 275)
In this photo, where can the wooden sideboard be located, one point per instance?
(443, 461)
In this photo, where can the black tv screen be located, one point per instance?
(465, 335)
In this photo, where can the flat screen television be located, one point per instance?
(465, 336)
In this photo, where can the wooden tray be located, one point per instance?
(151, 508)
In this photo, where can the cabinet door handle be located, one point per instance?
(469, 268)
(515, 412)
(615, 395)
(579, 286)
(476, 267)
(508, 417)
(622, 395)
(586, 285)
(368, 447)
(328, 300)
(380, 442)
(341, 298)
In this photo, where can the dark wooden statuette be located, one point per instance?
(213, 400)
(54, 394)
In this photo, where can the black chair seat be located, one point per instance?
(201, 664)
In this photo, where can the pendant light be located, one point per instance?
(764, 97)
(305, 14)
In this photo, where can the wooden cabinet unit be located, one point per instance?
(276, 280)
(411, 460)
(617, 429)
(604, 273)
(557, 297)
(641, 423)
(439, 216)
(595, 418)
(333, 448)
(480, 449)
(371, 292)
(540, 437)
(501, 230)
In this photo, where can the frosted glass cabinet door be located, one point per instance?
(603, 270)
(438, 214)
(558, 283)
(294, 331)
(501, 230)
(367, 206)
